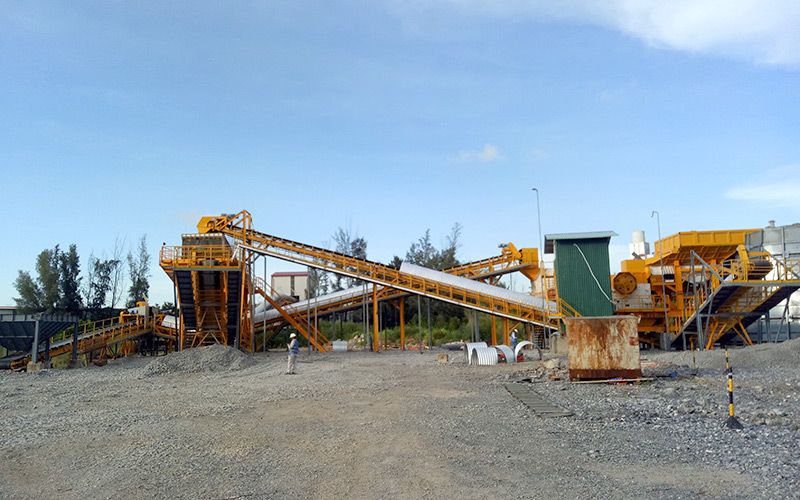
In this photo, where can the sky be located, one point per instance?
(122, 119)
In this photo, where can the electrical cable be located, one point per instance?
(592, 273)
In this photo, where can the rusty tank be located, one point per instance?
(603, 347)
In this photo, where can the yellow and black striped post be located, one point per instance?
(732, 422)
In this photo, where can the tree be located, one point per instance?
(422, 252)
(168, 308)
(348, 243)
(87, 290)
(69, 281)
(103, 270)
(48, 269)
(447, 256)
(41, 294)
(318, 282)
(139, 272)
(118, 273)
(30, 294)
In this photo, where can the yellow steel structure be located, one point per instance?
(510, 260)
(107, 338)
(209, 281)
(706, 270)
(251, 243)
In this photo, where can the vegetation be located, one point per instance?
(139, 272)
(59, 286)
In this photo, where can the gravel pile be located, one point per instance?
(212, 358)
(783, 355)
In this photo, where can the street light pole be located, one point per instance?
(664, 341)
(541, 248)
(539, 218)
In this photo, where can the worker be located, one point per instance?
(514, 339)
(294, 350)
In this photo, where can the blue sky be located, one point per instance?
(130, 118)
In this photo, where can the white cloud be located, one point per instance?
(489, 153)
(763, 31)
(782, 189)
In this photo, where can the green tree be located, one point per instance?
(424, 253)
(30, 294)
(41, 294)
(48, 270)
(139, 272)
(348, 243)
(102, 272)
(69, 281)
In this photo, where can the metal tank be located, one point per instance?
(784, 242)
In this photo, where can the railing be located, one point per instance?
(384, 275)
(474, 270)
(566, 310)
(312, 334)
(197, 256)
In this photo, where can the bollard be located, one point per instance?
(732, 422)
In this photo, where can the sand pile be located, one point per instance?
(214, 358)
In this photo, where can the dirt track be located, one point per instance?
(352, 425)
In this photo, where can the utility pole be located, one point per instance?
(539, 219)
(540, 252)
(665, 338)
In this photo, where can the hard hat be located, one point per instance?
(292, 335)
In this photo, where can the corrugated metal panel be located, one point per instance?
(574, 281)
(471, 346)
(521, 346)
(549, 239)
(484, 356)
(476, 286)
(507, 353)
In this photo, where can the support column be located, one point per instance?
(402, 323)
(35, 347)
(47, 353)
(494, 330)
(376, 341)
(73, 362)
(506, 337)
(430, 327)
(419, 322)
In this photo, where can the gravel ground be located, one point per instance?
(212, 424)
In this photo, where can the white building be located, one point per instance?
(782, 242)
(290, 284)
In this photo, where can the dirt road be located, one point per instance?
(351, 425)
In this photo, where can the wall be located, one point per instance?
(574, 281)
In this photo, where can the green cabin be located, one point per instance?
(583, 271)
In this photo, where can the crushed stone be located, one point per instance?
(214, 358)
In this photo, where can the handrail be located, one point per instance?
(197, 255)
(238, 226)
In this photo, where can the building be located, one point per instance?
(583, 270)
(290, 284)
(783, 242)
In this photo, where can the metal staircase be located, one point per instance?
(729, 297)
